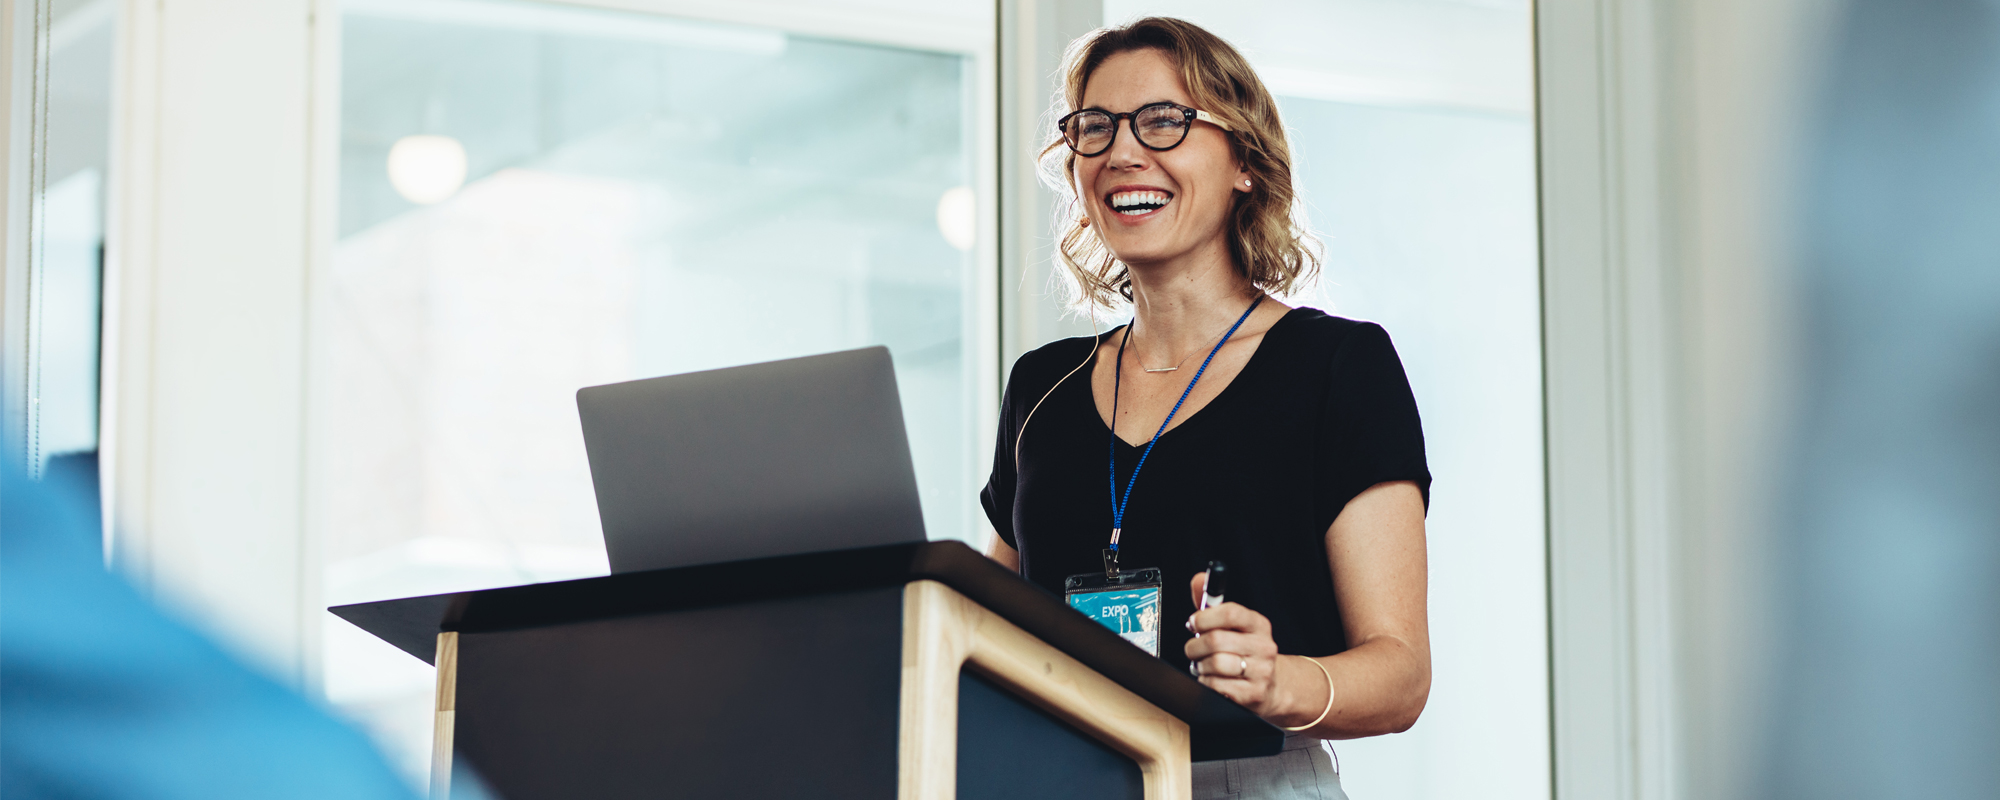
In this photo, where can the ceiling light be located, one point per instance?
(427, 169)
(957, 217)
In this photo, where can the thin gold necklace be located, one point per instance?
(1177, 365)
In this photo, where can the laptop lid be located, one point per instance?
(784, 457)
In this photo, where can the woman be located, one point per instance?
(1280, 441)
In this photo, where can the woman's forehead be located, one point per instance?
(1128, 80)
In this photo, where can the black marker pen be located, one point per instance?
(1211, 597)
(1211, 591)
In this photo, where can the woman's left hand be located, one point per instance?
(1233, 653)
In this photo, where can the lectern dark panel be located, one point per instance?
(784, 698)
(1008, 749)
(1220, 729)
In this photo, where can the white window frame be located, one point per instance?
(1606, 364)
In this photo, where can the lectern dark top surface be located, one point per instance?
(1220, 728)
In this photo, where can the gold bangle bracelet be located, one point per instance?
(1329, 698)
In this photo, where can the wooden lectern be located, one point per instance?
(909, 671)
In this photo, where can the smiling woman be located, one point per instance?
(1204, 71)
(1291, 451)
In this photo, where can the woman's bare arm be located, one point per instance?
(1381, 580)
(1004, 553)
(1380, 684)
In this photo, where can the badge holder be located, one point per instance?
(1127, 601)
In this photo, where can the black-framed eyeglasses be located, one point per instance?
(1159, 126)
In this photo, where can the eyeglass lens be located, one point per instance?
(1160, 127)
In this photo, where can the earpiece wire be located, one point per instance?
(1096, 339)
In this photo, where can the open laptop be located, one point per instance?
(784, 457)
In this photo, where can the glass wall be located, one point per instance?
(1429, 222)
(53, 401)
(1415, 150)
(535, 198)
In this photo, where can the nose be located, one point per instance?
(1126, 152)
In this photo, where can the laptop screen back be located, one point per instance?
(794, 456)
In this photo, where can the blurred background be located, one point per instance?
(1693, 296)
(536, 198)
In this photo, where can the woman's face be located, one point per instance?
(1197, 180)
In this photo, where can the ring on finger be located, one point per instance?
(1244, 671)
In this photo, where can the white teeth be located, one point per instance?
(1122, 200)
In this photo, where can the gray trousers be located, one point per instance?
(1303, 771)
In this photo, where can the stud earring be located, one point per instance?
(1083, 222)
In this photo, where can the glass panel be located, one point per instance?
(1429, 222)
(64, 270)
(1415, 148)
(537, 198)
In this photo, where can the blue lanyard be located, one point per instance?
(1117, 373)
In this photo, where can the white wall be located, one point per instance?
(1666, 139)
(1743, 78)
(207, 270)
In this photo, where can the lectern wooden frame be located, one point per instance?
(919, 670)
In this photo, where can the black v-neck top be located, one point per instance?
(1321, 412)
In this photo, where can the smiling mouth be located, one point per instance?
(1134, 204)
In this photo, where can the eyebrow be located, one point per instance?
(1139, 106)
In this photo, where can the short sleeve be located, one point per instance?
(997, 498)
(1371, 432)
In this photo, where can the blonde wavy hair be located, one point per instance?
(1268, 239)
